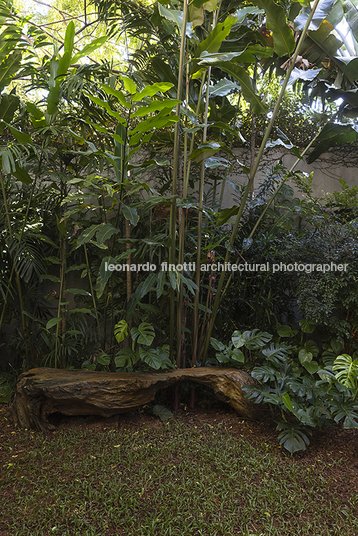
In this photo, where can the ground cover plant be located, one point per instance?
(203, 472)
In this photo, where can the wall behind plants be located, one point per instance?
(328, 169)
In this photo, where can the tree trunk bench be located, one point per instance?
(44, 391)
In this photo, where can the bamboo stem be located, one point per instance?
(173, 210)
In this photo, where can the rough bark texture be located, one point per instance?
(43, 391)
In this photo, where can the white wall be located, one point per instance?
(328, 169)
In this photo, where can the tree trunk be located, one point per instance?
(43, 391)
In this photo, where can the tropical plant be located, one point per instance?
(291, 381)
(129, 359)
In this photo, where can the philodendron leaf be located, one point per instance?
(237, 339)
(237, 355)
(103, 359)
(305, 356)
(163, 413)
(255, 339)
(284, 42)
(144, 334)
(347, 370)
(293, 437)
(121, 330)
(311, 367)
(151, 357)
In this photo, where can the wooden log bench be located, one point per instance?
(44, 391)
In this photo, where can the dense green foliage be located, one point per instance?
(105, 164)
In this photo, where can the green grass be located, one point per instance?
(171, 480)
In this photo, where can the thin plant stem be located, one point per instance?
(173, 210)
(200, 216)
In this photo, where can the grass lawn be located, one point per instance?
(205, 472)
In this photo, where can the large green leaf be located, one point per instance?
(53, 322)
(284, 42)
(151, 357)
(159, 121)
(106, 231)
(88, 49)
(326, 42)
(255, 339)
(246, 85)
(293, 437)
(118, 94)
(242, 13)
(9, 67)
(204, 151)
(155, 106)
(53, 98)
(129, 85)
(8, 107)
(130, 213)
(88, 234)
(222, 88)
(347, 370)
(106, 106)
(275, 352)
(121, 330)
(21, 174)
(176, 16)
(151, 90)
(126, 358)
(163, 413)
(226, 214)
(305, 356)
(213, 42)
(249, 55)
(351, 15)
(331, 135)
(69, 38)
(195, 15)
(21, 137)
(143, 334)
(322, 10)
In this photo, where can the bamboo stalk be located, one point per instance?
(173, 210)
(200, 216)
